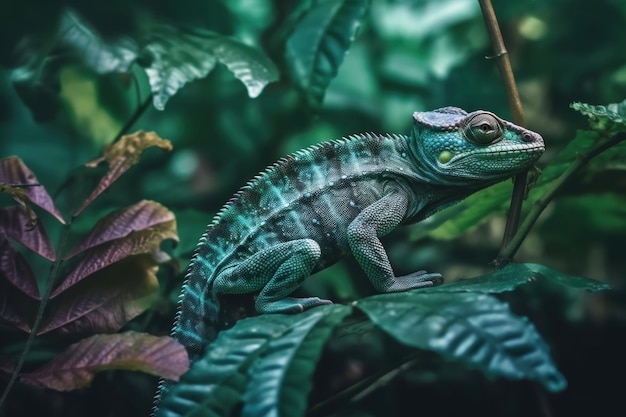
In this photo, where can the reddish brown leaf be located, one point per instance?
(12, 306)
(15, 224)
(121, 156)
(14, 172)
(121, 223)
(76, 366)
(107, 300)
(145, 241)
(15, 269)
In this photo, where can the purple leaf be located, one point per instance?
(75, 367)
(12, 303)
(107, 300)
(121, 223)
(6, 364)
(14, 172)
(15, 269)
(145, 241)
(14, 224)
(121, 156)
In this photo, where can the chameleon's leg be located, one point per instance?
(377, 220)
(277, 271)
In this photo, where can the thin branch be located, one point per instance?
(40, 312)
(540, 205)
(501, 58)
(140, 110)
(363, 388)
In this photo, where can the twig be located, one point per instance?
(501, 58)
(363, 388)
(539, 205)
(140, 110)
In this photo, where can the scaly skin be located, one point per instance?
(312, 208)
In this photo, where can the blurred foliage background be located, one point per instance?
(408, 56)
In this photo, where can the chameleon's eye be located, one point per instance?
(483, 129)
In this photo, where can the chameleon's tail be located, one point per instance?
(195, 326)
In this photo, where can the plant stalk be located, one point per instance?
(503, 63)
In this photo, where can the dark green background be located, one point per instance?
(408, 56)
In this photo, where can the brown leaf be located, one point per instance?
(14, 172)
(145, 241)
(121, 223)
(14, 224)
(15, 269)
(121, 156)
(107, 301)
(76, 366)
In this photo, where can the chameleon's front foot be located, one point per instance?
(419, 279)
(289, 304)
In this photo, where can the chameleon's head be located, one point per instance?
(456, 148)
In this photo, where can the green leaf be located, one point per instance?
(469, 213)
(513, 275)
(215, 384)
(267, 360)
(477, 329)
(282, 379)
(319, 43)
(176, 58)
(608, 116)
(76, 366)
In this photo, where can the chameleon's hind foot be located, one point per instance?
(289, 304)
(419, 279)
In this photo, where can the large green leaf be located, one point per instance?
(176, 58)
(266, 360)
(319, 43)
(477, 329)
(513, 275)
(281, 381)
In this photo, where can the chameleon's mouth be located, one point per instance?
(529, 152)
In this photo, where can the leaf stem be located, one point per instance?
(538, 206)
(40, 312)
(501, 57)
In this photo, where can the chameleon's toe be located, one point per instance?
(419, 279)
(290, 305)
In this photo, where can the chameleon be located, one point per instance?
(320, 204)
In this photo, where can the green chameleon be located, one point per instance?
(316, 206)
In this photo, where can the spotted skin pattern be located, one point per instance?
(314, 207)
